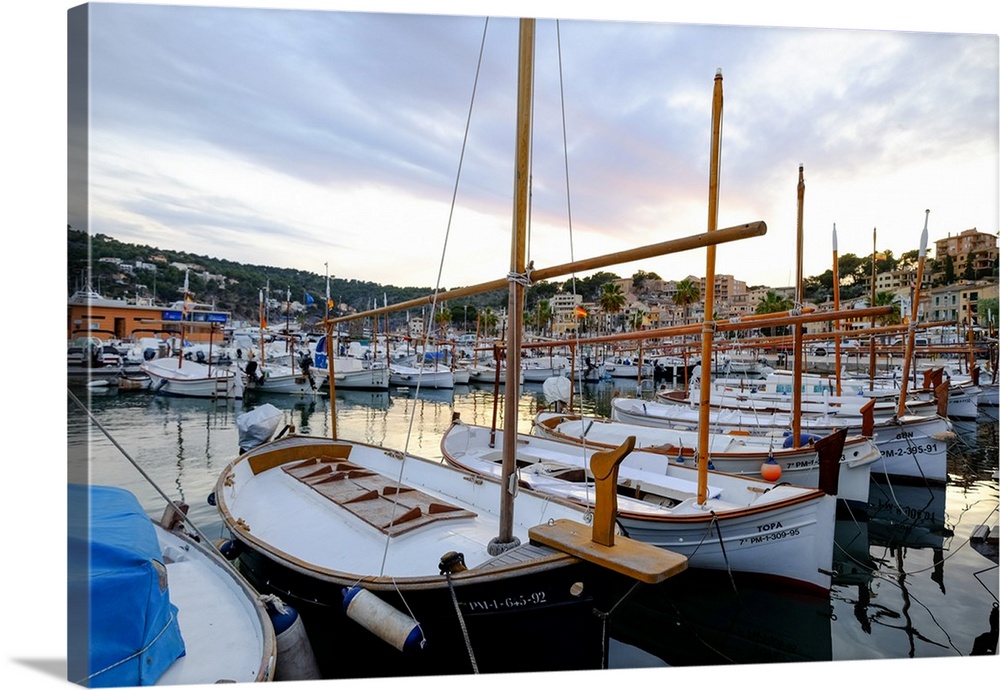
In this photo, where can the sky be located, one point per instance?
(363, 145)
(299, 143)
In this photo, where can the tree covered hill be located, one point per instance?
(239, 292)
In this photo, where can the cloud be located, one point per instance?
(284, 123)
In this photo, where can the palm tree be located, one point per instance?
(442, 319)
(688, 293)
(772, 303)
(885, 299)
(636, 319)
(540, 316)
(488, 321)
(612, 299)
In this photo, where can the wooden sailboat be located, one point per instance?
(913, 446)
(719, 521)
(758, 457)
(406, 566)
(747, 525)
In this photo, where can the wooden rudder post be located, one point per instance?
(604, 466)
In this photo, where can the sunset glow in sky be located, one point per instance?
(312, 137)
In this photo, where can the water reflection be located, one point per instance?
(905, 582)
(706, 617)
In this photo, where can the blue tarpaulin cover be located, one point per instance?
(133, 628)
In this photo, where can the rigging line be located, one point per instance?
(914, 598)
(437, 284)
(569, 223)
(128, 457)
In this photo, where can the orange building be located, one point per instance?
(88, 312)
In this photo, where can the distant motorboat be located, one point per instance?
(627, 368)
(90, 360)
(351, 372)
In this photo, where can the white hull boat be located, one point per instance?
(371, 378)
(764, 398)
(619, 368)
(329, 523)
(169, 376)
(351, 372)
(910, 446)
(426, 376)
(747, 525)
(460, 375)
(538, 369)
(819, 391)
(284, 380)
(488, 375)
(740, 454)
(152, 588)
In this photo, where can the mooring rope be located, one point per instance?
(461, 624)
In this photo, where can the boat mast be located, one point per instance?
(797, 328)
(515, 289)
(328, 344)
(871, 342)
(836, 307)
(263, 325)
(184, 316)
(708, 327)
(911, 328)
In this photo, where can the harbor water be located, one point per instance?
(910, 582)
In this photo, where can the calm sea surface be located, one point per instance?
(910, 583)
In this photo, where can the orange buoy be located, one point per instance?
(770, 470)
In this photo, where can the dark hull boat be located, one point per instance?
(491, 613)
(364, 543)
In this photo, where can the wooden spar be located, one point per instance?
(784, 340)
(708, 327)
(911, 329)
(329, 357)
(331, 381)
(836, 306)
(681, 244)
(797, 328)
(871, 343)
(263, 324)
(180, 344)
(211, 334)
(515, 287)
(809, 315)
(969, 331)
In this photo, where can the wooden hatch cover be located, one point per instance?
(379, 501)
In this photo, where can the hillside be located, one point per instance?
(239, 292)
